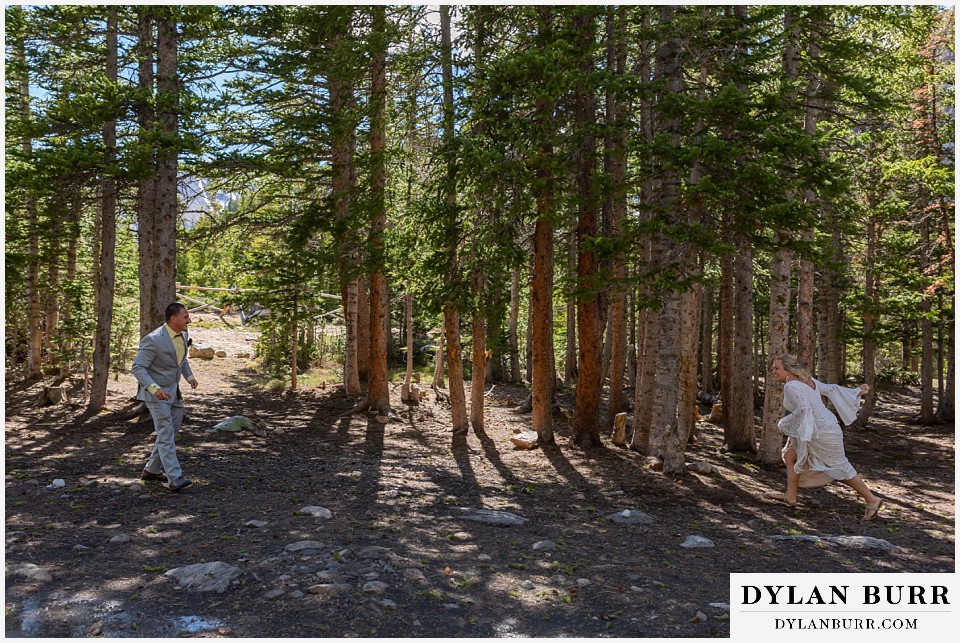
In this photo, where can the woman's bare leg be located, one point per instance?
(858, 485)
(793, 478)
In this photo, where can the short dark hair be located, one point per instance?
(173, 310)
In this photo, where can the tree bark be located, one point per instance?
(168, 101)
(451, 316)
(570, 355)
(514, 344)
(586, 428)
(771, 440)
(108, 239)
(379, 391)
(927, 409)
(617, 161)
(34, 310)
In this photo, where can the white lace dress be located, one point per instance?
(814, 433)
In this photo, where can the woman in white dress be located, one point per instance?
(814, 451)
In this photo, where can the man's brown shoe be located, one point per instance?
(148, 475)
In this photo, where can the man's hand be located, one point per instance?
(162, 395)
(194, 384)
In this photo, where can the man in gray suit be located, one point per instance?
(159, 363)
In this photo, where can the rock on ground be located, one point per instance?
(205, 577)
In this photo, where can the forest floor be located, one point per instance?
(398, 556)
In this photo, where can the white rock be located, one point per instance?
(58, 484)
(699, 617)
(583, 582)
(80, 547)
(484, 558)
(414, 575)
(721, 606)
(30, 571)
(492, 517)
(120, 538)
(526, 440)
(375, 587)
(544, 545)
(630, 517)
(316, 512)
(527, 584)
(233, 424)
(696, 541)
(205, 577)
(256, 523)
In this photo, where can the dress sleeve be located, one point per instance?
(799, 423)
(845, 400)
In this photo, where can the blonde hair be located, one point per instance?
(792, 364)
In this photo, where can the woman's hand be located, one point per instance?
(864, 389)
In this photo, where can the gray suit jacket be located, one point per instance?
(156, 363)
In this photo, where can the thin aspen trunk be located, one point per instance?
(294, 330)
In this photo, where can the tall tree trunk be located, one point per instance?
(870, 316)
(108, 239)
(771, 439)
(725, 339)
(168, 206)
(570, 354)
(830, 349)
(343, 179)
(586, 413)
(781, 262)
(617, 161)
(408, 324)
(514, 344)
(666, 437)
(363, 331)
(805, 270)
(946, 408)
(379, 391)
(34, 311)
(927, 409)
(541, 287)
(438, 361)
(451, 316)
(351, 374)
(151, 310)
(706, 340)
(739, 435)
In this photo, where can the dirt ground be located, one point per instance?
(398, 556)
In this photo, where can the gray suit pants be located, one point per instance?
(167, 418)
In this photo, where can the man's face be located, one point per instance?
(179, 321)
